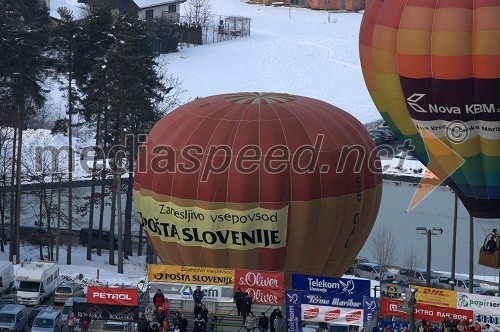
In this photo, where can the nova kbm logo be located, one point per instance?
(186, 290)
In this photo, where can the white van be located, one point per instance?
(37, 282)
(6, 276)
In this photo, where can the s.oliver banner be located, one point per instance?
(370, 306)
(190, 275)
(293, 315)
(333, 300)
(176, 291)
(437, 297)
(315, 284)
(430, 313)
(106, 312)
(344, 316)
(263, 287)
(112, 296)
(480, 304)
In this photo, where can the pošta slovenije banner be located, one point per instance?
(390, 307)
(106, 312)
(190, 275)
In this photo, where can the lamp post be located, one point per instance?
(429, 232)
(412, 304)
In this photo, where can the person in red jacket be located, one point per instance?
(85, 322)
(158, 299)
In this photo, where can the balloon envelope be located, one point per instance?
(436, 64)
(258, 181)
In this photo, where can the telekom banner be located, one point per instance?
(112, 296)
(345, 316)
(263, 287)
(423, 311)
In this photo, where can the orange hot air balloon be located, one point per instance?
(258, 181)
(436, 65)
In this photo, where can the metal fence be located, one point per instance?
(228, 27)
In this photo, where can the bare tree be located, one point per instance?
(411, 262)
(199, 12)
(6, 137)
(383, 247)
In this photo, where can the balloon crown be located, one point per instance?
(259, 98)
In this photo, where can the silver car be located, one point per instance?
(48, 320)
(372, 271)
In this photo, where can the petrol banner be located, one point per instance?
(293, 315)
(177, 291)
(262, 286)
(190, 275)
(344, 316)
(112, 296)
(332, 300)
(106, 312)
(480, 304)
(436, 297)
(389, 307)
(338, 286)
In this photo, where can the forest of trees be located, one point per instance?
(112, 82)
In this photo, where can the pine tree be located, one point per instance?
(24, 31)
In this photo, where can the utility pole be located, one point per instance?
(429, 233)
(471, 254)
(454, 246)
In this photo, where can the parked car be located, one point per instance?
(34, 312)
(48, 320)
(461, 283)
(384, 136)
(407, 276)
(357, 260)
(67, 290)
(13, 318)
(311, 328)
(386, 132)
(376, 139)
(372, 271)
(68, 306)
(111, 325)
(83, 238)
(490, 292)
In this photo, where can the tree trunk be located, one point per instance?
(139, 248)
(18, 182)
(92, 196)
(40, 221)
(12, 248)
(128, 204)
(112, 224)
(70, 165)
(103, 186)
(58, 235)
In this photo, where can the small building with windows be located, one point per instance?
(340, 5)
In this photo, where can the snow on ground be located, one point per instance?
(290, 50)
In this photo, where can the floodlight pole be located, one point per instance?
(429, 233)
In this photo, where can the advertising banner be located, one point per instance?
(106, 312)
(371, 306)
(480, 304)
(263, 287)
(389, 307)
(293, 316)
(213, 229)
(332, 300)
(176, 291)
(493, 320)
(392, 290)
(112, 296)
(339, 286)
(343, 316)
(190, 275)
(437, 297)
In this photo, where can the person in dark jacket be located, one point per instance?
(204, 315)
(199, 324)
(197, 310)
(197, 295)
(143, 325)
(246, 306)
(183, 323)
(271, 319)
(263, 323)
(238, 298)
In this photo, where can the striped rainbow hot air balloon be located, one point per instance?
(436, 64)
